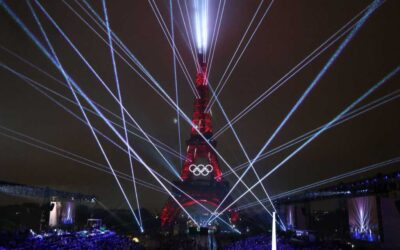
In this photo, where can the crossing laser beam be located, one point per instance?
(107, 22)
(250, 165)
(39, 144)
(182, 114)
(160, 145)
(326, 181)
(186, 118)
(46, 53)
(331, 60)
(189, 37)
(178, 120)
(106, 87)
(167, 34)
(124, 176)
(302, 64)
(141, 71)
(214, 41)
(58, 64)
(40, 88)
(355, 113)
(351, 106)
(223, 80)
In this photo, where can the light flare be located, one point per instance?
(201, 24)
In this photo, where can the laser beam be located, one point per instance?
(105, 85)
(326, 181)
(250, 165)
(296, 69)
(178, 120)
(160, 88)
(223, 81)
(144, 73)
(59, 65)
(355, 113)
(121, 107)
(164, 28)
(332, 59)
(189, 37)
(39, 144)
(46, 53)
(187, 119)
(351, 106)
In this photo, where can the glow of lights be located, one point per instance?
(54, 214)
(201, 24)
(68, 219)
(362, 218)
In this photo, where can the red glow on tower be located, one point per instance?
(197, 147)
(201, 173)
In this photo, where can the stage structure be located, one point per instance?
(57, 207)
(201, 173)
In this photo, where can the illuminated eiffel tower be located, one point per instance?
(201, 173)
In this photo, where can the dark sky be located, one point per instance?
(291, 31)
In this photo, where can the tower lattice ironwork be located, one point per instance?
(201, 172)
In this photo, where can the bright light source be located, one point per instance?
(273, 243)
(201, 24)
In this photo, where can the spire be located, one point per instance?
(200, 118)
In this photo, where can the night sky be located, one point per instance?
(290, 31)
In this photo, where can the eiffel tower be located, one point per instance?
(201, 173)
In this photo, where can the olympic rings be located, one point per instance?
(201, 169)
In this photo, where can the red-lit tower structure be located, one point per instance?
(201, 173)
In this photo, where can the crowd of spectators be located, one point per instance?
(57, 239)
(263, 242)
(260, 242)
